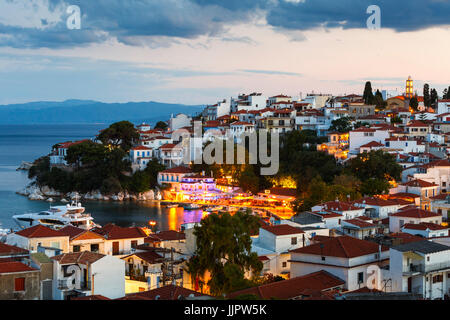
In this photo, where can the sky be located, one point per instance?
(202, 51)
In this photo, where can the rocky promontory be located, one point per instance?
(34, 192)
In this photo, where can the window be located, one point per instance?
(438, 278)
(95, 247)
(428, 259)
(19, 284)
(323, 258)
(360, 277)
(134, 243)
(55, 245)
(293, 241)
(76, 248)
(284, 264)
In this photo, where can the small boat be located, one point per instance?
(190, 206)
(171, 205)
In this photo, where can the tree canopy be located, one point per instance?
(122, 134)
(224, 250)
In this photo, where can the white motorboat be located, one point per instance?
(190, 206)
(58, 217)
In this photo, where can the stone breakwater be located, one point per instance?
(34, 192)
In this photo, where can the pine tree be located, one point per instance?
(433, 98)
(368, 94)
(426, 95)
(445, 94)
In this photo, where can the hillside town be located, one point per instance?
(380, 243)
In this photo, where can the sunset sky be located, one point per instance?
(200, 51)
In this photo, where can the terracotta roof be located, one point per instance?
(360, 224)
(405, 237)
(68, 144)
(181, 169)
(340, 206)
(6, 249)
(170, 292)
(78, 233)
(113, 232)
(419, 183)
(170, 146)
(288, 289)
(282, 229)
(149, 256)
(372, 201)
(169, 235)
(241, 123)
(424, 226)
(85, 257)
(40, 231)
(141, 148)
(342, 247)
(14, 266)
(94, 297)
(416, 213)
(263, 258)
(372, 144)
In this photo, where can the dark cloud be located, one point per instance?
(131, 21)
(400, 15)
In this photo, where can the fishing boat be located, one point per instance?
(170, 205)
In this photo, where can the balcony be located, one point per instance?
(420, 268)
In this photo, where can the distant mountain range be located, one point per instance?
(88, 111)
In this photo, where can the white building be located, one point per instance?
(412, 216)
(421, 267)
(363, 135)
(87, 273)
(273, 245)
(426, 230)
(345, 257)
(179, 121)
(120, 241)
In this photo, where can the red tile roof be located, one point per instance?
(419, 183)
(85, 257)
(141, 148)
(94, 297)
(424, 226)
(149, 256)
(40, 231)
(372, 144)
(178, 170)
(296, 287)
(169, 235)
(416, 213)
(113, 232)
(6, 249)
(282, 229)
(342, 247)
(169, 292)
(361, 224)
(170, 146)
(82, 234)
(339, 206)
(14, 266)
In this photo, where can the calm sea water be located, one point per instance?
(27, 142)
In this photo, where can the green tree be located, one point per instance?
(426, 95)
(396, 119)
(414, 103)
(433, 98)
(120, 134)
(379, 101)
(374, 186)
(224, 249)
(375, 164)
(368, 93)
(341, 125)
(161, 125)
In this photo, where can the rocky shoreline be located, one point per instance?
(34, 192)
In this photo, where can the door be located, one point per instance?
(115, 248)
(410, 284)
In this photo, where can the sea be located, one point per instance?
(28, 142)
